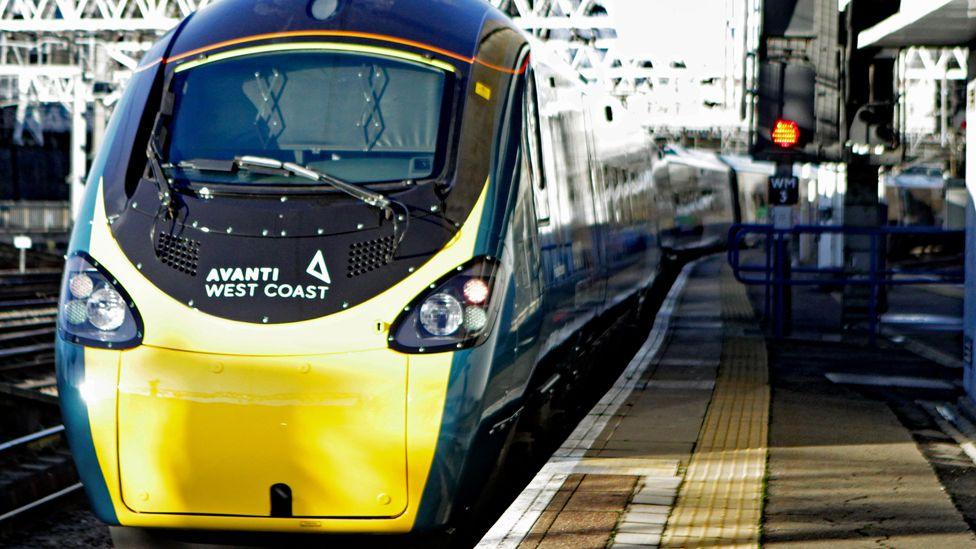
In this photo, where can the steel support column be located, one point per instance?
(79, 144)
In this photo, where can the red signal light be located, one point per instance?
(786, 133)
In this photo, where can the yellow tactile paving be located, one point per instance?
(720, 501)
(735, 302)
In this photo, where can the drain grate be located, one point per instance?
(181, 254)
(368, 256)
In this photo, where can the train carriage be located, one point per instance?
(330, 253)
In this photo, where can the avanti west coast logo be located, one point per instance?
(238, 282)
(318, 269)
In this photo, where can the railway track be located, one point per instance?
(35, 465)
(28, 309)
(35, 469)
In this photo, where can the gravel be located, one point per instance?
(70, 526)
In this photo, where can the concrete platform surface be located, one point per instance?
(718, 437)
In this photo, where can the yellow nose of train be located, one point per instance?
(210, 423)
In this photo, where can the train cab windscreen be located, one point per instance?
(359, 117)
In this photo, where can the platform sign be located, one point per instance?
(23, 242)
(784, 190)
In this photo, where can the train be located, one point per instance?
(333, 255)
(706, 193)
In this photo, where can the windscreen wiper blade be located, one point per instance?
(371, 198)
(163, 184)
(208, 165)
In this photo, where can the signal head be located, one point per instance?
(786, 133)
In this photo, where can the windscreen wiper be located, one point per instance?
(387, 205)
(372, 198)
(164, 186)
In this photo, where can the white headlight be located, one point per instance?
(106, 309)
(441, 314)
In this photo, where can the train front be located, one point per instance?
(282, 299)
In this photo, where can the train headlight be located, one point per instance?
(455, 313)
(106, 309)
(95, 311)
(441, 314)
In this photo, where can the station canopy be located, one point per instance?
(924, 23)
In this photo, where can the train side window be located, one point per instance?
(532, 144)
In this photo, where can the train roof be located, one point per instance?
(696, 158)
(451, 25)
(745, 164)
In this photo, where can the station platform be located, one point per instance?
(716, 435)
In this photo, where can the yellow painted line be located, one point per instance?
(720, 501)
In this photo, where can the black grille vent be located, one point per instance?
(368, 256)
(179, 253)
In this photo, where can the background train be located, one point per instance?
(705, 193)
(334, 256)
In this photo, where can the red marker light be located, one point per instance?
(476, 291)
(786, 133)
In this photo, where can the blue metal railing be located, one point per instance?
(777, 273)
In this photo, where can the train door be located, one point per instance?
(521, 243)
(547, 221)
(526, 222)
(551, 192)
(571, 131)
(571, 248)
(601, 226)
(664, 206)
(653, 212)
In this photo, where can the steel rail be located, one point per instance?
(27, 303)
(27, 322)
(41, 359)
(37, 503)
(12, 336)
(28, 313)
(16, 351)
(34, 437)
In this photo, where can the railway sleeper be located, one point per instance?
(18, 314)
(28, 482)
(27, 323)
(25, 334)
(19, 490)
